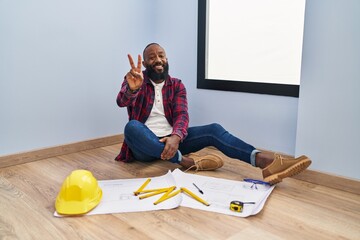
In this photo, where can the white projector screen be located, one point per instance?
(253, 45)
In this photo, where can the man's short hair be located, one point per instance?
(150, 44)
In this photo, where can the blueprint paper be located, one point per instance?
(118, 195)
(219, 193)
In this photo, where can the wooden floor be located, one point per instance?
(295, 210)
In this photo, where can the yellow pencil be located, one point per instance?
(153, 193)
(150, 190)
(143, 186)
(194, 196)
(167, 193)
(167, 197)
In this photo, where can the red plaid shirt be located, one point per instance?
(139, 106)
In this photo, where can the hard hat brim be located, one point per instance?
(76, 207)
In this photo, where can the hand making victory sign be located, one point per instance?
(135, 76)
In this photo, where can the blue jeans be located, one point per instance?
(145, 145)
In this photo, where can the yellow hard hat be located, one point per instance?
(79, 193)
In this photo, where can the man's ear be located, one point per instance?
(143, 63)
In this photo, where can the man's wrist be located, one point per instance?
(177, 137)
(133, 91)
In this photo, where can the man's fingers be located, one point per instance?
(135, 71)
(135, 74)
(165, 153)
(171, 146)
(139, 63)
(131, 61)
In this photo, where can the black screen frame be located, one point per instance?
(229, 85)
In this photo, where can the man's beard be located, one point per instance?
(153, 75)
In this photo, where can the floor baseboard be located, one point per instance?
(39, 154)
(330, 180)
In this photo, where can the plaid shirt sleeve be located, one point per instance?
(178, 108)
(124, 98)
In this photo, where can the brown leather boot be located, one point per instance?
(206, 162)
(282, 168)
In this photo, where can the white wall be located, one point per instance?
(61, 66)
(265, 121)
(329, 106)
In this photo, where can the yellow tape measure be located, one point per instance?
(236, 206)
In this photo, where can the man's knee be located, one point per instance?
(216, 127)
(132, 126)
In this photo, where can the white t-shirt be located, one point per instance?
(157, 122)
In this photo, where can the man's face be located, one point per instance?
(156, 63)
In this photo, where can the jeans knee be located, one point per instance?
(216, 128)
(131, 126)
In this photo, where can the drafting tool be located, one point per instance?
(154, 193)
(238, 206)
(149, 190)
(142, 186)
(167, 197)
(170, 189)
(200, 191)
(191, 194)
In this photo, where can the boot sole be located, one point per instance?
(289, 172)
